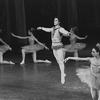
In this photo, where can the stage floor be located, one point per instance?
(41, 81)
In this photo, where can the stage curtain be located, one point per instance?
(72, 13)
(97, 12)
(16, 18)
(3, 19)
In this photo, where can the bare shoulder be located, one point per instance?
(61, 29)
(90, 58)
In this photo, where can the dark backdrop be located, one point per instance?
(20, 15)
(81, 13)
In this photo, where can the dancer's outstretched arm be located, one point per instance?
(5, 43)
(45, 29)
(64, 32)
(77, 58)
(20, 37)
(40, 43)
(81, 38)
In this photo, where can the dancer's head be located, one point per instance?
(73, 29)
(30, 32)
(32, 29)
(56, 21)
(96, 50)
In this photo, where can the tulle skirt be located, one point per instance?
(86, 76)
(32, 48)
(73, 47)
(4, 48)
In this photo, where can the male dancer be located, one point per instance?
(56, 35)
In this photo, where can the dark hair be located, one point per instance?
(97, 47)
(74, 28)
(57, 18)
(32, 29)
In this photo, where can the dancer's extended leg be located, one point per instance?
(93, 93)
(36, 61)
(3, 61)
(59, 55)
(1, 57)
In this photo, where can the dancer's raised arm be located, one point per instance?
(40, 43)
(20, 37)
(81, 38)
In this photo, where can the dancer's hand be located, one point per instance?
(66, 59)
(39, 28)
(9, 47)
(45, 47)
(12, 34)
(85, 37)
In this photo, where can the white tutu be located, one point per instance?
(4, 48)
(73, 47)
(32, 48)
(86, 76)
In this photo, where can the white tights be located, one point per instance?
(59, 55)
(95, 93)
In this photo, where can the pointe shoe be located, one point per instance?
(21, 63)
(63, 79)
(11, 62)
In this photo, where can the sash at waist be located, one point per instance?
(57, 45)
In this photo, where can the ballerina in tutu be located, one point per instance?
(32, 47)
(91, 75)
(73, 46)
(3, 48)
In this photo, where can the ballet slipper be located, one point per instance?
(22, 63)
(47, 61)
(63, 78)
(11, 62)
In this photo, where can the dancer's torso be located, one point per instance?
(56, 35)
(95, 66)
(31, 40)
(56, 38)
(72, 39)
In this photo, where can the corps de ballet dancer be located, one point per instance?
(74, 46)
(3, 48)
(32, 47)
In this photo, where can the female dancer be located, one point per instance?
(3, 48)
(91, 75)
(32, 47)
(56, 35)
(73, 46)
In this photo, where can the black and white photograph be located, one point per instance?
(49, 49)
